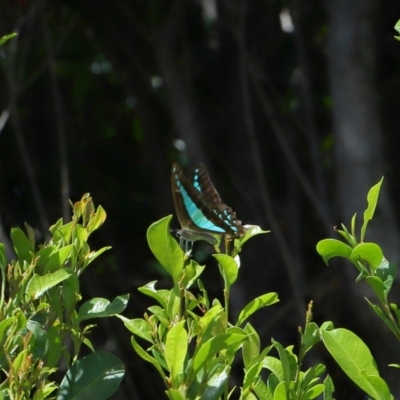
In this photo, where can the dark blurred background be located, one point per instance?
(293, 106)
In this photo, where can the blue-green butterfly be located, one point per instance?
(199, 208)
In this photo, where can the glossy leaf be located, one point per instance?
(90, 257)
(369, 252)
(165, 248)
(310, 336)
(250, 376)
(160, 295)
(39, 341)
(376, 285)
(383, 317)
(71, 290)
(22, 245)
(57, 259)
(263, 391)
(213, 346)
(96, 376)
(174, 394)
(257, 303)
(215, 386)
(329, 388)
(6, 38)
(313, 392)
(100, 308)
(55, 347)
(377, 386)
(372, 199)
(274, 365)
(251, 347)
(353, 356)
(251, 231)
(97, 219)
(280, 392)
(138, 326)
(143, 354)
(329, 248)
(312, 374)
(386, 271)
(229, 268)
(38, 285)
(176, 347)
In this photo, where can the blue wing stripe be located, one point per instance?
(196, 215)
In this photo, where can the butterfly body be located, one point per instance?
(199, 206)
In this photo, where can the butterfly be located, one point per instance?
(199, 208)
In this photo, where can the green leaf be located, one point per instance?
(5, 325)
(383, 317)
(254, 305)
(5, 38)
(351, 239)
(176, 347)
(274, 365)
(22, 245)
(329, 388)
(378, 386)
(251, 347)
(229, 268)
(287, 363)
(99, 307)
(96, 376)
(160, 295)
(250, 377)
(353, 356)
(386, 272)
(90, 257)
(345, 233)
(310, 336)
(215, 386)
(138, 326)
(192, 271)
(19, 360)
(213, 346)
(31, 234)
(251, 231)
(62, 232)
(143, 354)
(57, 259)
(38, 285)
(71, 290)
(372, 199)
(313, 392)
(55, 347)
(377, 286)
(329, 248)
(312, 374)
(39, 340)
(262, 391)
(161, 314)
(280, 392)
(397, 26)
(165, 248)
(174, 394)
(369, 252)
(97, 219)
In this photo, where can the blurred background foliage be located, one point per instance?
(293, 107)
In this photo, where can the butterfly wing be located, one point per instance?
(199, 206)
